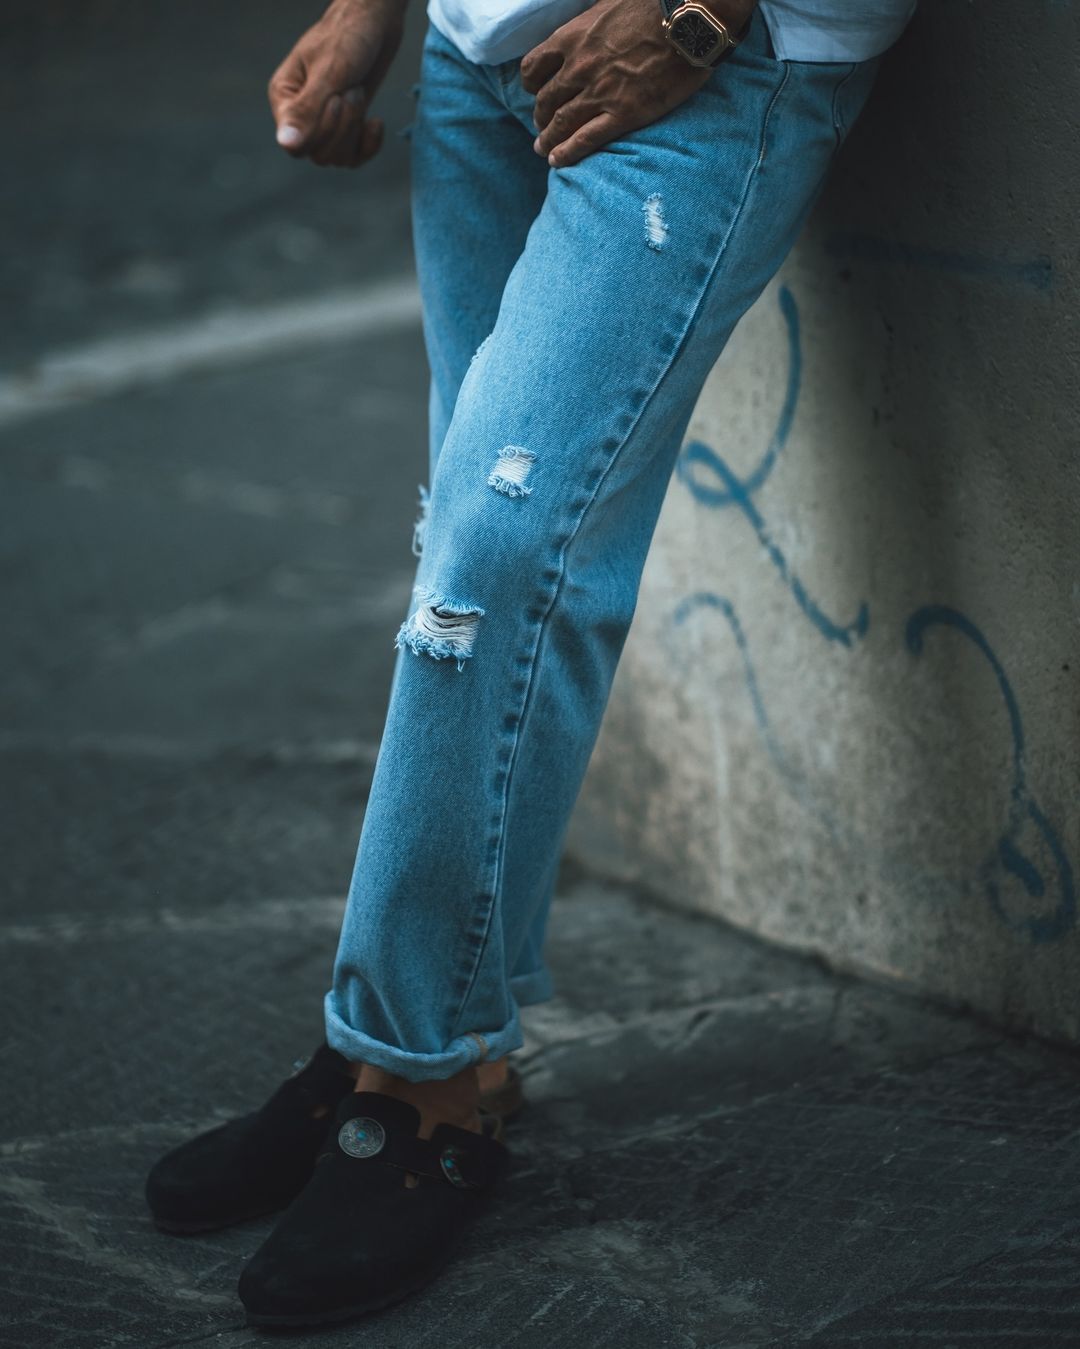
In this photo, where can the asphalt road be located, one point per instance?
(202, 577)
(204, 557)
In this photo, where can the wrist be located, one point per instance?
(705, 32)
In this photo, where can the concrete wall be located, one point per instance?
(848, 716)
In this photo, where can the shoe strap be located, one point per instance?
(459, 1157)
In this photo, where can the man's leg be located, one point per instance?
(474, 197)
(544, 499)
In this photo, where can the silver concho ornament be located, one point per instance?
(361, 1137)
(449, 1161)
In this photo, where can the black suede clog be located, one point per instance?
(357, 1238)
(255, 1164)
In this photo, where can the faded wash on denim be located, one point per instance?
(571, 317)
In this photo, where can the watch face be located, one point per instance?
(697, 37)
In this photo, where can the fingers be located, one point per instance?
(553, 95)
(341, 128)
(370, 141)
(538, 66)
(589, 137)
(564, 123)
(317, 120)
(333, 127)
(301, 110)
(285, 85)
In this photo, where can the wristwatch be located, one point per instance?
(696, 33)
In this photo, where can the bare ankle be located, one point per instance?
(451, 1100)
(494, 1074)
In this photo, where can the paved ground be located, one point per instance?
(200, 577)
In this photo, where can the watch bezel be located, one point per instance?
(723, 42)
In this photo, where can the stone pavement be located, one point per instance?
(200, 579)
(724, 1145)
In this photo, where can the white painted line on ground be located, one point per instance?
(301, 753)
(229, 337)
(267, 915)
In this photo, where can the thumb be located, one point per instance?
(298, 113)
(299, 91)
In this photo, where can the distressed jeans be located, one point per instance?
(571, 317)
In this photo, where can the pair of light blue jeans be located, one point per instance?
(571, 317)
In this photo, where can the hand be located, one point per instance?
(607, 72)
(320, 93)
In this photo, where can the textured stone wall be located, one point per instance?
(848, 715)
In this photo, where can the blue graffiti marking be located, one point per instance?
(800, 788)
(1037, 272)
(697, 453)
(707, 599)
(1039, 928)
(736, 491)
(723, 496)
(727, 489)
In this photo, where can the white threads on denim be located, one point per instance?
(440, 628)
(655, 225)
(420, 527)
(509, 474)
(479, 351)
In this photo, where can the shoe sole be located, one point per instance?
(192, 1229)
(341, 1314)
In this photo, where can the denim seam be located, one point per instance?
(839, 128)
(645, 403)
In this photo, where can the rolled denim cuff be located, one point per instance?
(479, 1046)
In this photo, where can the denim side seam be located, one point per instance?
(839, 125)
(568, 541)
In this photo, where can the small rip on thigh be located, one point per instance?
(511, 469)
(655, 225)
(440, 627)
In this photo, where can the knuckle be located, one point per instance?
(334, 73)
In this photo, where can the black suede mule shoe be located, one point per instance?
(255, 1164)
(357, 1238)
